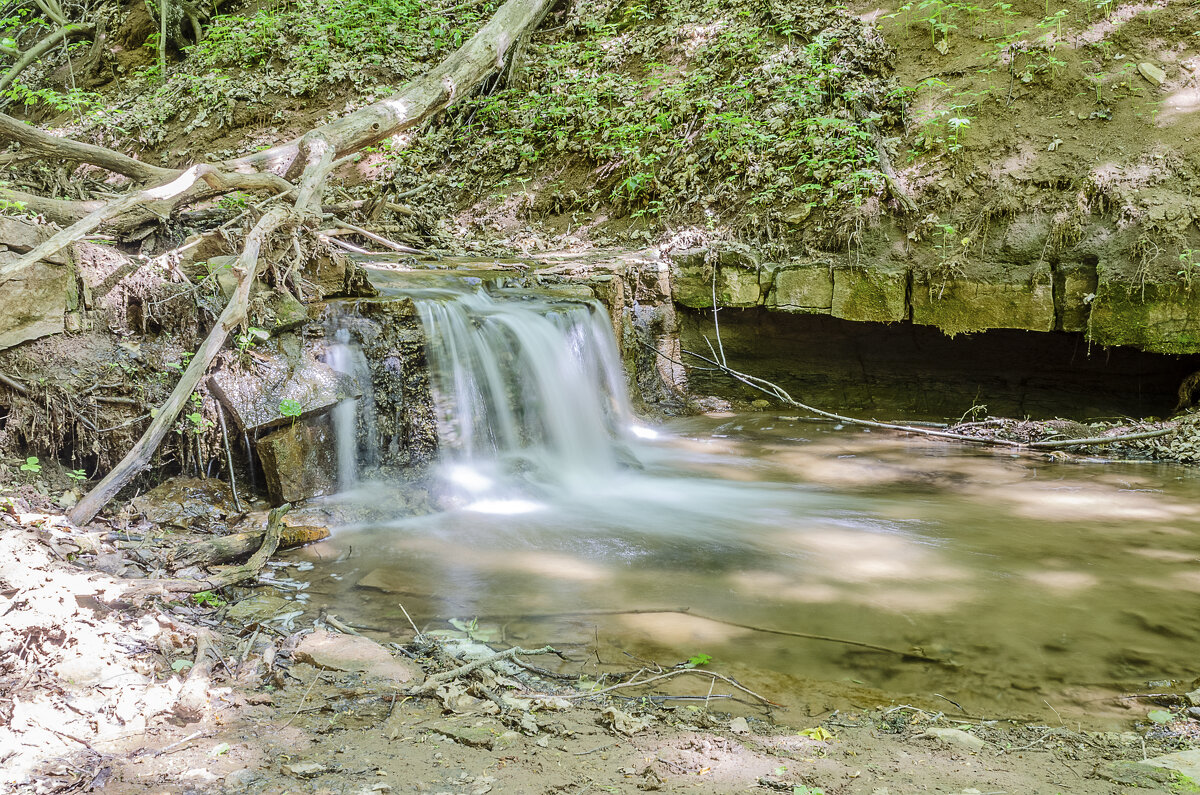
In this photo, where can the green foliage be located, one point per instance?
(245, 341)
(208, 599)
(697, 660)
(726, 105)
(290, 408)
(31, 465)
(77, 474)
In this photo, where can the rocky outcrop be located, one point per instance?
(38, 298)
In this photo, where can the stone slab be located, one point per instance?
(802, 288)
(33, 301)
(352, 654)
(1185, 762)
(1162, 318)
(997, 297)
(870, 295)
(691, 279)
(739, 286)
(255, 385)
(20, 236)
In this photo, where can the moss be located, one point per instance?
(1162, 318)
(1004, 298)
(870, 295)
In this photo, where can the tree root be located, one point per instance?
(229, 576)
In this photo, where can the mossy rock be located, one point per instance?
(870, 295)
(985, 297)
(1161, 318)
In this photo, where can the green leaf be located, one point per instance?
(181, 665)
(1160, 716)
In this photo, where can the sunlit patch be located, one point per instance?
(1063, 582)
(503, 507)
(642, 432)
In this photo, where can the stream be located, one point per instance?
(1045, 590)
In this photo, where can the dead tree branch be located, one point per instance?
(35, 139)
(138, 458)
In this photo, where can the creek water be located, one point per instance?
(1047, 590)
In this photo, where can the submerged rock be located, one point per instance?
(353, 654)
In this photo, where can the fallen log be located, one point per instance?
(222, 549)
(231, 575)
(139, 456)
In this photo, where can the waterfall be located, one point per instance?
(529, 392)
(346, 357)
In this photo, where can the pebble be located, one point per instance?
(304, 769)
(956, 737)
(1152, 73)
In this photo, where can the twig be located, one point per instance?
(342, 244)
(1095, 440)
(669, 675)
(593, 750)
(178, 743)
(304, 698)
(394, 246)
(237, 503)
(14, 385)
(437, 680)
(420, 637)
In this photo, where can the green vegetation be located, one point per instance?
(31, 465)
(708, 108)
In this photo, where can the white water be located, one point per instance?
(530, 395)
(345, 357)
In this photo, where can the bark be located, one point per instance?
(65, 149)
(61, 212)
(30, 56)
(223, 549)
(138, 458)
(431, 93)
(230, 576)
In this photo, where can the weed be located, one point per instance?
(208, 599)
(290, 408)
(31, 465)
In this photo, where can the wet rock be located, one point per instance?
(278, 376)
(354, 654)
(258, 608)
(691, 278)
(335, 275)
(1193, 698)
(985, 296)
(300, 461)
(1152, 73)
(1185, 762)
(470, 736)
(186, 502)
(385, 580)
(955, 737)
(873, 295)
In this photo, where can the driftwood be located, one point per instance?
(437, 680)
(226, 577)
(222, 549)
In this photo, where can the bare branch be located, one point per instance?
(30, 56)
(42, 141)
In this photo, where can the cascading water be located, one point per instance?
(345, 357)
(529, 393)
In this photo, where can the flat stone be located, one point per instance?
(870, 295)
(1136, 774)
(470, 736)
(1185, 762)
(985, 297)
(300, 461)
(352, 654)
(386, 580)
(802, 288)
(21, 236)
(956, 737)
(254, 386)
(35, 301)
(258, 608)
(1193, 698)
(1152, 73)
(303, 769)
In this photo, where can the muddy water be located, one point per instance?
(1050, 589)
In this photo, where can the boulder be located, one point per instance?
(277, 382)
(352, 654)
(186, 502)
(299, 461)
(35, 301)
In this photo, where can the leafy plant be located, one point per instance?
(252, 335)
(290, 408)
(697, 660)
(208, 599)
(77, 474)
(31, 465)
